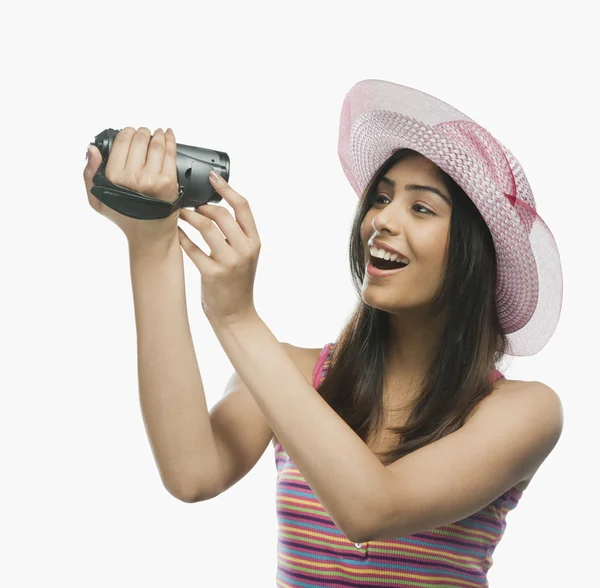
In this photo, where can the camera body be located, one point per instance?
(193, 167)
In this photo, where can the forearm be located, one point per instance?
(343, 472)
(171, 393)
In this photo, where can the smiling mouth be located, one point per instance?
(382, 264)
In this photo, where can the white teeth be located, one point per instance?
(383, 254)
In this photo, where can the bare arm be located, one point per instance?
(241, 431)
(199, 454)
(171, 393)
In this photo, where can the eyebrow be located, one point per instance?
(412, 187)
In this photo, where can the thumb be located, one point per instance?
(94, 159)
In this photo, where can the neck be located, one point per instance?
(412, 343)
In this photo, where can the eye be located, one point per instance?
(427, 211)
(374, 199)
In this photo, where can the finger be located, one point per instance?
(136, 158)
(243, 214)
(156, 153)
(118, 152)
(169, 164)
(234, 235)
(202, 261)
(220, 250)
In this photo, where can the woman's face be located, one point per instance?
(415, 222)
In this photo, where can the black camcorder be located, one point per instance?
(193, 167)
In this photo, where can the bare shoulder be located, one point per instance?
(305, 359)
(546, 400)
(528, 399)
(522, 393)
(526, 390)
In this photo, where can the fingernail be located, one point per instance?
(213, 176)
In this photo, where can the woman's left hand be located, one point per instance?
(227, 274)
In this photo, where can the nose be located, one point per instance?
(387, 221)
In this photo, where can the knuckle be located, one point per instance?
(167, 183)
(253, 250)
(219, 272)
(144, 130)
(111, 176)
(234, 262)
(142, 184)
(125, 181)
(146, 183)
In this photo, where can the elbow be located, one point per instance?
(373, 518)
(359, 536)
(369, 531)
(190, 493)
(190, 497)
(359, 531)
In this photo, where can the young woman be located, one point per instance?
(401, 448)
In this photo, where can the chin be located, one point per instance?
(376, 301)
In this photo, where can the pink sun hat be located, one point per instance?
(379, 117)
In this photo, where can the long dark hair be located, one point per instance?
(471, 344)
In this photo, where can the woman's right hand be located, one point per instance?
(147, 164)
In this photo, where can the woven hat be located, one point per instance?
(379, 117)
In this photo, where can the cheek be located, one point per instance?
(434, 245)
(365, 233)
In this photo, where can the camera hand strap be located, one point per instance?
(129, 202)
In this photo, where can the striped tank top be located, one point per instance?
(312, 551)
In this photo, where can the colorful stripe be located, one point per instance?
(311, 550)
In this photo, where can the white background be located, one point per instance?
(82, 500)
